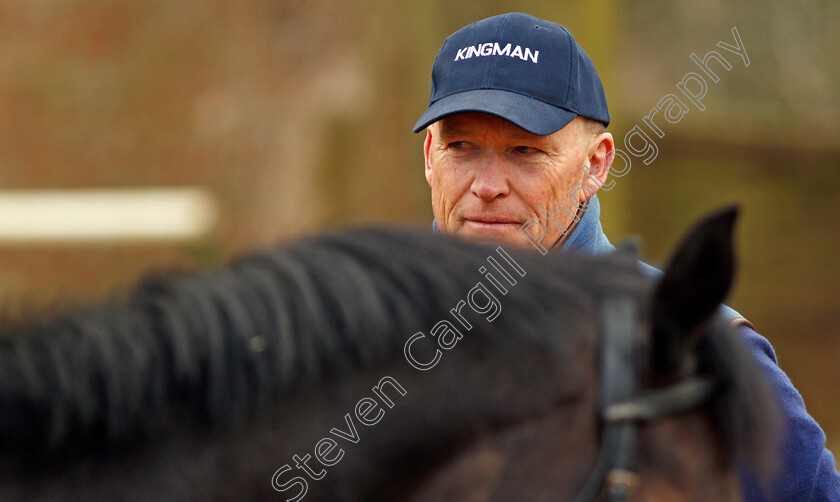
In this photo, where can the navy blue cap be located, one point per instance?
(517, 67)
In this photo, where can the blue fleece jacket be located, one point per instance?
(808, 471)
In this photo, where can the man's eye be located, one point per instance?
(526, 149)
(459, 145)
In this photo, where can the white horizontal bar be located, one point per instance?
(105, 215)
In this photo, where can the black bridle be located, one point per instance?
(623, 407)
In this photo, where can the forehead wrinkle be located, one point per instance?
(517, 133)
(446, 132)
(454, 126)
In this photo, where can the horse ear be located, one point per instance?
(697, 279)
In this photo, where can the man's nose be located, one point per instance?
(490, 179)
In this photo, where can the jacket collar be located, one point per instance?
(588, 236)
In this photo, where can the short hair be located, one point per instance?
(593, 127)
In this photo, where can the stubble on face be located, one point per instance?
(488, 177)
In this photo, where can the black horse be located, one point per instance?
(392, 365)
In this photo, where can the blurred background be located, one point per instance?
(204, 129)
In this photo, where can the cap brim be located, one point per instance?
(527, 113)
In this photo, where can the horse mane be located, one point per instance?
(220, 345)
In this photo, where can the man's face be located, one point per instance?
(488, 176)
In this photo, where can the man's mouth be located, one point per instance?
(492, 222)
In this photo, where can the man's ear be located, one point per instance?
(599, 163)
(594, 172)
(427, 146)
(696, 281)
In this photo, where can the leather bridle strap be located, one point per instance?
(619, 329)
(681, 396)
(623, 409)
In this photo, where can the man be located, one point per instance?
(516, 147)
